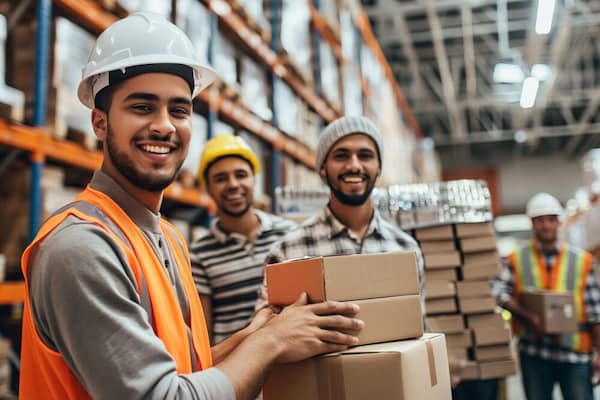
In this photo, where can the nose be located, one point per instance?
(232, 182)
(161, 123)
(353, 163)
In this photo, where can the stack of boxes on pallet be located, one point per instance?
(460, 260)
(4, 368)
(12, 101)
(394, 359)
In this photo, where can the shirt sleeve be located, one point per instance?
(591, 296)
(503, 286)
(201, 279)
(86, 306)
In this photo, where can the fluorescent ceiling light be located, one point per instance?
(530, 88)
(545, 12)
(541, 72)
(508, 73)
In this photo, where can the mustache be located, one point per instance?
(361, 175)
(155, 137)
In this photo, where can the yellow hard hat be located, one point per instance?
(226, 145)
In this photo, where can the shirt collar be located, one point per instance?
(338, 228)
(264, 224)
(138, 212)
(557, 247)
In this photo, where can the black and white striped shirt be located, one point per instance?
(229, 268)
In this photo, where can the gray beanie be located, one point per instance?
(343, 127)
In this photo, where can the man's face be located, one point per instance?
(230, 182)
(545, 228)
(148, 130)
(351, 169)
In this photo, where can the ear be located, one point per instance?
(100, 123)
(322, 172)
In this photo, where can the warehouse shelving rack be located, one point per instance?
(89, 14)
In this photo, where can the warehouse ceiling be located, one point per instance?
(444, 54)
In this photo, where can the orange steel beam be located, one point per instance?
(90, 13)
(12, 292)
(325, 30)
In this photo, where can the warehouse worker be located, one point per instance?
(548, 264)
(112, 311)
(227, 260)
(349, 159)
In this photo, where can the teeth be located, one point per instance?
(156, 149)
(352, 179)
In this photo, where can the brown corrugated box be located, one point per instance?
(476, 305)
(492, 353)
(442, 232)
(354, 277)
(492, 320)
(470, 273)
(497, 369)
(557, 310)
(440, 306)
(442, 260)
(481, 259)
(489, 336)
(474, 229)
(477, 244)
(437, 246)
(408, 369)
(389, 318)
(462, 339)
(466, 289)
(446, 324)
(4, 368)
(436, 289)
(440, 275)
(457, 353)
(469, 371)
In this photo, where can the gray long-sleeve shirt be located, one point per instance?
(86, 306)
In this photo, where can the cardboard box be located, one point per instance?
(457, 353)
(492, 353)
(492, 320)
(461, 340)
(482, 243)
(480, 273)
(489, 336)
(466, 289)
(476, 305)
(469, 371)
(474, 229)
(440, 306)
(446, 324)
(354, 277)
(408, 369)
(440, 275)
(557, 310)
(442, 260)
(481, 259)
(437, 246)
(435, 289)
(390, 318)
(442, 232)
(497, 369)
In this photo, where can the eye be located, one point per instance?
(366, 155)
(340, 156)
(180, 111)
(141, 108)
(241, 174)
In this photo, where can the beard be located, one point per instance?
(235, 214)
(147, 180)
(352, 199)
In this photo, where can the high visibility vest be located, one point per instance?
(568, 274)
(44, 373)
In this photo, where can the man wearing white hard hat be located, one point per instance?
(112, 311)
(546, 263)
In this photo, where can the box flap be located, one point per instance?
(286, 280)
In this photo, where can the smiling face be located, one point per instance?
(351, 169)
(231, 185)
(146, 131)
(545, 228)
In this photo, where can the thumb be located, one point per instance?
(301, 300)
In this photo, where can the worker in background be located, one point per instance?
(112, 311)
(228, 259)
(349, 159)
(547, 263)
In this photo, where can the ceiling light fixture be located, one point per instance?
(529, 92)
(545, 12)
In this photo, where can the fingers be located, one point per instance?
(337, 338)
(301, 300)
(340, 322)
(334, 307)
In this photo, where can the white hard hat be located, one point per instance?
(543, 204)
(141, 39)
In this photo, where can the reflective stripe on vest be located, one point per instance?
(44, 372)
(568, 274)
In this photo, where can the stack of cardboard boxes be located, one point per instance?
(394, 358)
(460, 260)
(4, 368)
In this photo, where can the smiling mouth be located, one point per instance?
(156, 149)
(352, 179)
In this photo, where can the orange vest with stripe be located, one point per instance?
(44, 373)
(568, 274)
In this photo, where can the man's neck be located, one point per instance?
(246, 224)
(355, 218)
(152, 200)
(548, 247)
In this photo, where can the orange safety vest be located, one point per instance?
(44, 373)
(568, 274)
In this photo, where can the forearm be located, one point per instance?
(518, 311)
(595, 331)
(221, 350)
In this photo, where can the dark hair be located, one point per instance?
(104, 98)
(210, 164)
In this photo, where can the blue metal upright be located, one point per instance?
(44, 15)
(275, 166)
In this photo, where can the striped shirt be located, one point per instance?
(229, 268)
(547, 348)
(324, 235)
